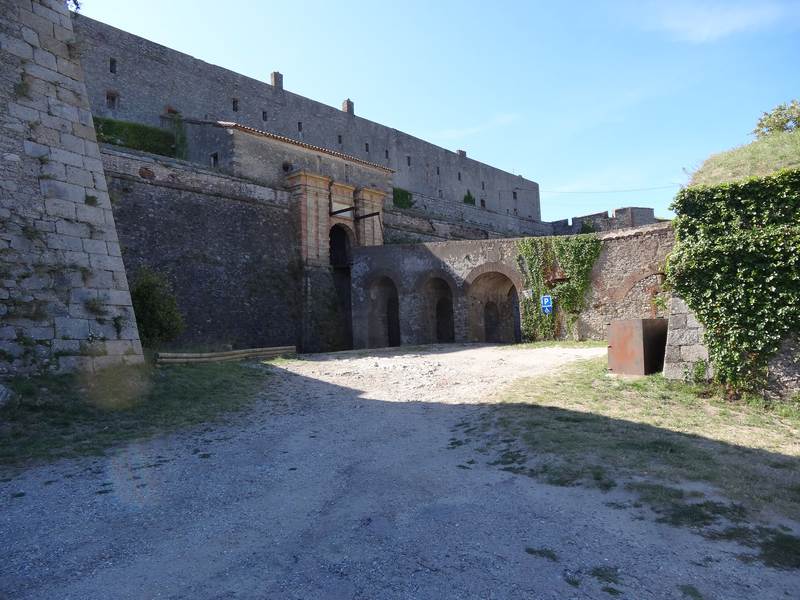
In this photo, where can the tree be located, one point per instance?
(784, 117)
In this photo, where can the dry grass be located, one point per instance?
(584, 426)
(757, 159)
(64, 415)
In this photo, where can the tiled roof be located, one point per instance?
(288, 140)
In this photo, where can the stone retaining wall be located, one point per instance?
(227, 246)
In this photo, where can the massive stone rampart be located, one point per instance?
(145, 80)
(63, 287)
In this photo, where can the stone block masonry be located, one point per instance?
(687, 355)
(64, 291)
(226, 245)
(149, 79)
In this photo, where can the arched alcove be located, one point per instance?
(383, 318)
(437, 312)
(493, 309)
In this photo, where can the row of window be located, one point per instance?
(112, 102)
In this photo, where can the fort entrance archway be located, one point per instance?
(383, 319)
(341, 240)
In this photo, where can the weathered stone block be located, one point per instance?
(40, 333)
(60, 208)
(79, 230)
(694, 353)
(110, 263)
(63, 190)
(79, 176)
(72, 329)
(67, 157)
(95, 246)
(36, 150)
(16, 46)
(73, 143)
(44, 58)
(90, 214)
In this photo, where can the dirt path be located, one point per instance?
(342, 484)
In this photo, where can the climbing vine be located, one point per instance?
(560, 266)
(736, 264)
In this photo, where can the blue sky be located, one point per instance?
(582, 97)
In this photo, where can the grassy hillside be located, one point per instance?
(762, 157)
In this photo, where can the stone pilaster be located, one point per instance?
(370, 230)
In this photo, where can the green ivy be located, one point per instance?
(469, 198)
(736, 264)
(560, 266)
(402, 198)
(136, 136)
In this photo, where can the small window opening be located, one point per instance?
(459, 175)
(408, 161)
(386, 152)
(235, 104)
(339, 137)
(112, 100)
(112, 65)
(440, 194)
(483, 185)
(366, 146)
(483, 202)
(514, 195)
(300, 127)
(215, 160)
(264, 115)
(437, 170)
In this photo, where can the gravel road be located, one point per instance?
(341, 483)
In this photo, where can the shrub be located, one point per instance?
(156, 308)
(736, 263)
(469, 198)
(402, 198)
(135, 136)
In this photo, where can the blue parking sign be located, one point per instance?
(547, 304)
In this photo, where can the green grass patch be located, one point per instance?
(583, 426)
(562, 344)
(757, 159)
(547, 553)
(135, 136)
(68, 415)
(689, 591)
(606, 574)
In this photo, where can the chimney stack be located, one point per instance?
(462, 153)
(277, 80)
(349, 107)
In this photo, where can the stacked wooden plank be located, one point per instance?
(176, 358)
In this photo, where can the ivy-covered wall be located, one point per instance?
(737, 267)
(562, 268)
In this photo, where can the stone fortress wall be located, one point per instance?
(226, 245)
(149, 78)
(64, 291)
(466, 275)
